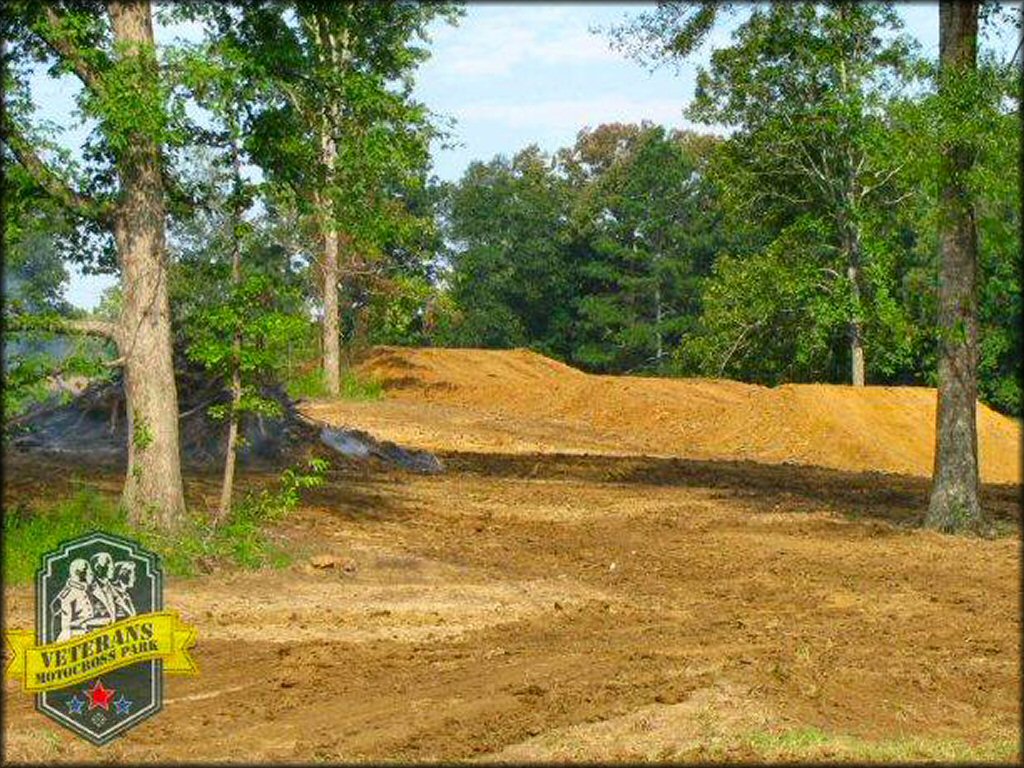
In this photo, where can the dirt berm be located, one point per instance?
(517, 401)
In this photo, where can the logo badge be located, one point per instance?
(102, 640)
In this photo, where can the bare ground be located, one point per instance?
(528, 607)
(609, 569)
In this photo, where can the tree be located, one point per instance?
(768, 316)
(955, 501)
(803, 85)
(219, 86)
(336, 81)
(512, 275)
(594, 255)
(644, 237)
(110, 48)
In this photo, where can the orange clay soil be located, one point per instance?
(679, 603)
(521, 402)
(521, 608)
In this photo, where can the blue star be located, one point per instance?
(123, 705)
(75, 705)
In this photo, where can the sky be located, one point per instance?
(515, 74)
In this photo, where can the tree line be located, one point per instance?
(848, 215)
(800, 247)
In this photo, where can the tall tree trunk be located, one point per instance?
(227, 486)
(955, 503)
(659, 352)
(851, 254)
(849, 85)
(856, 332)
(153, 488)
(332, 324)
(333, 58)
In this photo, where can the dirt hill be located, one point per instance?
(518, 401)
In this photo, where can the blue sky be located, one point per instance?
(515, 74)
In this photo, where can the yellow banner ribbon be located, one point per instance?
(157, 635)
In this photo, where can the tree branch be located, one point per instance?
(54, 185)
(67, 50)
(102, 328)
(732, 350)
(868, 189)
(25, 323)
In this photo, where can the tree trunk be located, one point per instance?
(851, 253)
(955, 503)
(153, 488)
(659, 352)
(849, 85)
(856, 336)
(334, 54)
(227, 486)
(332, 324)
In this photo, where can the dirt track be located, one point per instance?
(527, 606)
(521, 402)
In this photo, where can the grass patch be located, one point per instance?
(29, 534)
(798, 740)
(353, 386)
(802, 744)
(242, 540)
(308, 385)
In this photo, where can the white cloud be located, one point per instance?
(498, 44)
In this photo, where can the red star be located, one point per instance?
(100, 696)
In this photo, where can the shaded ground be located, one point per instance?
(548, 607)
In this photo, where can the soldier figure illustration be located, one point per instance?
(122, 583)
(97, 593)
(102, 591)
(72, 608)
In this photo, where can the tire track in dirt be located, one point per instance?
(735, 586)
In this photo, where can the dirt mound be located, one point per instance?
(518, 401)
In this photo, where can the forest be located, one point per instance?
(292, 165)
(793, 241)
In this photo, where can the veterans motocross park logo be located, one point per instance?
(102, 640)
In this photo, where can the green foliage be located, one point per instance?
(838, 120)
(570, 256)
(35, 309)
(644, 232)
(307, 385)
(594, 256)
(263, 308)
(356, 387)
(29, 534)
(250, 308)
(36, 360)
(353, 386)
(512, 272)
(142, 432)
(274, 505)
(242, 540)
(773, 316)
(343, 70)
